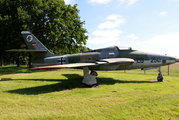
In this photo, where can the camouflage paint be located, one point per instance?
(110, 58)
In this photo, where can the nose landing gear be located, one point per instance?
(160, 77)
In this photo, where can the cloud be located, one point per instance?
(114, 21)
(131, 41)
(166, 39)
(132, 36)
(68, 1)
(115, 43)
(108, 37)
(107, 33)
(100, 1)
(114, 17)
(145, 42)
(110, 25)
(102, 40)
(122, 1)
(128, 2)
(165, 44)
(137, 43)
(163, 13)
(131, 2)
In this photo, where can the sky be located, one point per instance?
(146, 25)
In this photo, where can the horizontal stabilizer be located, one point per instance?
(25, 50)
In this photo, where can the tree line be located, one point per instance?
(55, 24)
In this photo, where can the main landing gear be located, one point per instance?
(94, 73)
(89, 79)
(159, 77)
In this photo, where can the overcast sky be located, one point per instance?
(146, 25)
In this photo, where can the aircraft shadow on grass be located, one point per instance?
(14, 70)
(73, 81)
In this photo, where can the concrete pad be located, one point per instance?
(89, 86)
(158, 81)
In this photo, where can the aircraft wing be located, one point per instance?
(72, 65)
(119, 61)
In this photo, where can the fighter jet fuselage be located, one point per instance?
(110, 58)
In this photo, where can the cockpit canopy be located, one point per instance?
(124, 47)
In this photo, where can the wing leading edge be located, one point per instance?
(118, 61)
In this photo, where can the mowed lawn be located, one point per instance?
(59, 94)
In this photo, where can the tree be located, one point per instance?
(56, 25)
(10, 27)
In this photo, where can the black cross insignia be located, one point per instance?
(61, 60)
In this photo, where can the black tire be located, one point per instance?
(160, 79)
(94, 73)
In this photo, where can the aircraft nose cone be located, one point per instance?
(172, 59)
(176, 59)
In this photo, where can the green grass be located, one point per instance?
(58, 94)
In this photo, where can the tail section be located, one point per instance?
(33, 44)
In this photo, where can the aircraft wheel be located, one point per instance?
(160, 78)
(94, 73)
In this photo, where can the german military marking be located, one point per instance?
(29, 38)
(61, 60)
(111, 54)
(34, 44)
(155, 59)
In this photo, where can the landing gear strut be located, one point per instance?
(88, 79)
(159, 77)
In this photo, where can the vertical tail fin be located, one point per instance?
(34, 44)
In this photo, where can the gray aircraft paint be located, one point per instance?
(110, 58)
(35, 44)
(141, 60)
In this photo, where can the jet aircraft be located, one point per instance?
(110, 58)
